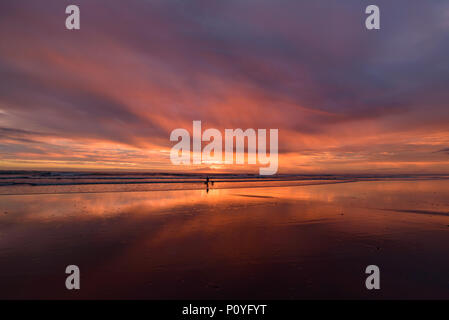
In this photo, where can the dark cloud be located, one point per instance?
(445, 150)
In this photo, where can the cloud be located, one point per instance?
(137, 70)
(445, 150)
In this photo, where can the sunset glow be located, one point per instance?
(108, 96)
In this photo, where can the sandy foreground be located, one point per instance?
(290, 242)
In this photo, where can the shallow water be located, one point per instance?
(306, 241)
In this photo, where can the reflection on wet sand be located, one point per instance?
(271, 242)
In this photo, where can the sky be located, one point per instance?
(107, 96)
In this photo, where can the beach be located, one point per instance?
(308, 239)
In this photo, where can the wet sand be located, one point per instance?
(289, 242)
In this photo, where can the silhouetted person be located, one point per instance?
(207, 183)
